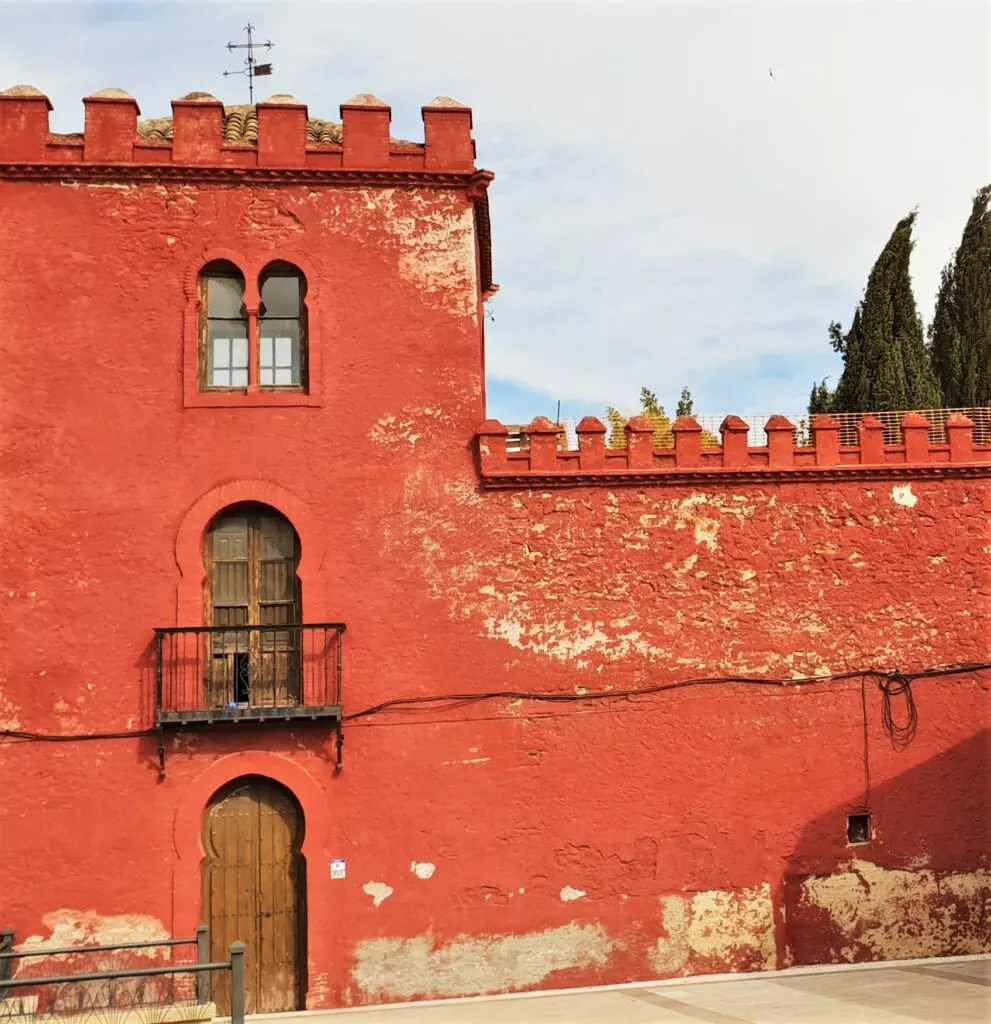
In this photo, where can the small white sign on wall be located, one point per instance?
(338, 869)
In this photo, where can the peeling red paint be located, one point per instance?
(690, 822)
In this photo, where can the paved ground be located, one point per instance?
(932, 991)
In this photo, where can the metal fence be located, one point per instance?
(174, 992)
(518, 439)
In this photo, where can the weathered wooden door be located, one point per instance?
(254, 891)
(252, 556)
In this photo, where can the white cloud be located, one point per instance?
(664, 211)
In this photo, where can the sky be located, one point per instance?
(686, 193)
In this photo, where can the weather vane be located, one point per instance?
(253, 69)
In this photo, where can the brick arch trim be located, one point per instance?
(295, 259)
(252, 267)
(192, 530)
(187, 838)
(191, 278)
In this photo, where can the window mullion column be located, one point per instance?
(252, 350)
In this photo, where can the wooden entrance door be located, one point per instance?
(254, 891)
(252, 554)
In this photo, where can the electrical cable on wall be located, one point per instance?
(893, 684)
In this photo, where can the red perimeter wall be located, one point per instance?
(490, 846)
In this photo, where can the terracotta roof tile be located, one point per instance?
(241, 125)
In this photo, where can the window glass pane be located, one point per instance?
(280, 352)
(221, 353)
(228, 355)
(280, 295)
(239, 349)
(224, 297)
(283, 352)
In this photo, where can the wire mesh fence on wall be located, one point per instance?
(518, 439)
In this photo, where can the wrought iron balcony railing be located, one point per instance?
(248, 673)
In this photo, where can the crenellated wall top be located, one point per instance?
(544, 460)
(273, 140)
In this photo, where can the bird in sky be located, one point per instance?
(771, 73)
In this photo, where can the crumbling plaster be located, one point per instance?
(490, 846)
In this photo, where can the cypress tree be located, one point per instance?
(820, 399)
(960, 333)
(886, 365)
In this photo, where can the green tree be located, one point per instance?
(653, 411)
(821, 398)
(960, 334)
(886, 364)
(617, 426)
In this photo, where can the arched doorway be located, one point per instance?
(254, 891)
(251, 555)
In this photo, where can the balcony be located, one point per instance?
(207, 674)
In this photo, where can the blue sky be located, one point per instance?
(665, 212)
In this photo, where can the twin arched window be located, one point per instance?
(246, 348)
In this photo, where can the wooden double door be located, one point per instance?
(252, 554)
(254, 891)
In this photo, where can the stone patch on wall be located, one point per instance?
(717, 930)
(378, 891)
(8, 714)
(88, 928)
(67, 927)
(868, 912)
(422, 967)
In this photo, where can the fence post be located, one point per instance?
(159, 671)
(202, 957)
(237, 982)
(6, 946)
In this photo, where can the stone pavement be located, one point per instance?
(946, 991)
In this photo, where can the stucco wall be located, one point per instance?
(490, 846)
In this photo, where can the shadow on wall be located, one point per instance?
(919, 887)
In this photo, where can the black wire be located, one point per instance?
(867, 743)
(866, 673)
(892, 683)
(48, 737)
(896, 684)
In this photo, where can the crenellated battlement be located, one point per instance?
(547, 462)
(203, 137)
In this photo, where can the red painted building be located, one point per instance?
(247, 504)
